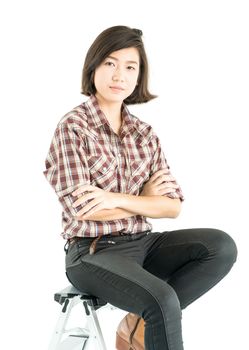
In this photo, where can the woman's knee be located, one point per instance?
(223, 246)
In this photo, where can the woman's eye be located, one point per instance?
(109, 63)
(131, 68)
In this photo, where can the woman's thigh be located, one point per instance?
(118, 279)
(191, 260)
(173, 249)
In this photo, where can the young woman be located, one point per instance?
(110, 173)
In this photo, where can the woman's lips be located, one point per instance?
(116, 88)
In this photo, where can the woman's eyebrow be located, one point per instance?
(116, 59)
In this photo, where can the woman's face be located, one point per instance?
(116, 77)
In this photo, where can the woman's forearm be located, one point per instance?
(131, 205)
(150, 206)
(108, 214)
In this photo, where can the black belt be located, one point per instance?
(124, 236)
(115, 236)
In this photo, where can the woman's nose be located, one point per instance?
(118, 75)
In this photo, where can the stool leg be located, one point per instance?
(61, 323)
(94, 326)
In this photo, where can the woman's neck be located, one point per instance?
(112, 110)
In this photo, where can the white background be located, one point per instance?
(198, 55)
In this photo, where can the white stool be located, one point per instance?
(88, 338)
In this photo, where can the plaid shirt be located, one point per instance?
(85, 150)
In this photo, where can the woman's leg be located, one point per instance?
(115, 274)
(192, 261)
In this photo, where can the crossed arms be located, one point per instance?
(151, 202)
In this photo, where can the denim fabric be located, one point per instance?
(155, 276)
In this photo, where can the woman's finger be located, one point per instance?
(164, 178)
(87, 208)
(168, 185)
(83, 188)
(84, 198)
(159, 173)
(168, 178)
(93, 210)
(166, 191)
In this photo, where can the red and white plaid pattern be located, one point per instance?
(85, 150)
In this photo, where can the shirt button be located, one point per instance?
(104, 168)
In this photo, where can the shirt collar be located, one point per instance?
(98, 118)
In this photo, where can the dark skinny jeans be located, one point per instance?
(155, 276)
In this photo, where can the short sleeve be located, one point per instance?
(66, 166)
(159, 162)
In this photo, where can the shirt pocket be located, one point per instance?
(140, 173)
(103, 171)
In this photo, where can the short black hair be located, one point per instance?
(113, 39)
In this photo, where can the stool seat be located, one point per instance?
(71, 292)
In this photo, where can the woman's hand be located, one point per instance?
(100, 200)
(160, 183)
